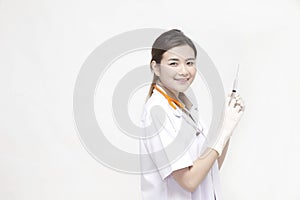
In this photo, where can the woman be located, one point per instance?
(193, 175)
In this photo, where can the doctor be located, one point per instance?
(194, 175)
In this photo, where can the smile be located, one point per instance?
(182, 80)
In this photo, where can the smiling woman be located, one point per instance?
(176, 70)
(190, 176)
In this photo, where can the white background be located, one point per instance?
(43, 44)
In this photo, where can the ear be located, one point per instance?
(155, 68)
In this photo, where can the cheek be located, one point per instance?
(167, 72)
(193, 72)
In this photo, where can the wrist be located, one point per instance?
(221, 141)
(226, 132)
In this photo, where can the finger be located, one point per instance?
(227, 100)
(236, 95)
(241, 112)
(239, 101)
(242, 107)
(237, 108)
(242, 104)
(232, 102)
(237, 98)
(237, 105)
(233, 94)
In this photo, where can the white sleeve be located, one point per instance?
(167, 148)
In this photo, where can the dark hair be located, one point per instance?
(168, 40)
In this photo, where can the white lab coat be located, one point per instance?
(159, 184)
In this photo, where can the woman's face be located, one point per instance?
(177, 69)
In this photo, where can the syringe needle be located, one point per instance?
(235, 83)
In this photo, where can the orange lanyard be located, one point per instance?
(170, 99)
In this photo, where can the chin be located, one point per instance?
(182, 88)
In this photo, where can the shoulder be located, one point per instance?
(157, 106)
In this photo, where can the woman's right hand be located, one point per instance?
(234, 109)
(233, 112)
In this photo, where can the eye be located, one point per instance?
(190, 63)
(174, 64)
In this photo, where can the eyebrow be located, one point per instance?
(176, 59)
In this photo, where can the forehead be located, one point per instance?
(183, 52)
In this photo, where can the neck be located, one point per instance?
(169, 92)
(177, 96)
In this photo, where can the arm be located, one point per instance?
(222, 157)
(190, 177)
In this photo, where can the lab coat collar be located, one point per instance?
(187, 103)
(193, 110)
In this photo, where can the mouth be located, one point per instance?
(182, 80)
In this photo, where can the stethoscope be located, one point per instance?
(174, 102)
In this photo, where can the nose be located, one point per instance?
(183, 70)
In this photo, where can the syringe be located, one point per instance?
(235, 84)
